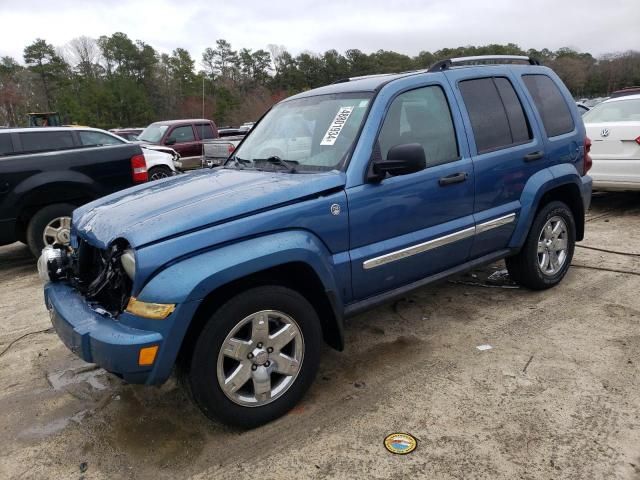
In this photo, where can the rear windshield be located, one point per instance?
(618, 111)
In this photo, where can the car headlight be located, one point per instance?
(128, 261)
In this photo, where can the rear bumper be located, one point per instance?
(606, 184)
(98, 338)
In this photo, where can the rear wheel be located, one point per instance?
(50, 225)
(256, 357)
(547, 253)
(156, 173)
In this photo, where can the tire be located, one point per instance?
(536, 269)
(156, 173)
(210, 368)
(58, 216)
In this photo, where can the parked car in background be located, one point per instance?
(130, 134)
(245, 127)
(160, 160)
(614, 129)
(217, 151)
(184, 136)
(582, 108)
(237, 275)
(45, 173)
(230, 131)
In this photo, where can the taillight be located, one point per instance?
(231, 148)
(139, 169)
(638, 140)
(587, 163)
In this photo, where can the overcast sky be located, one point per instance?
(406, 26)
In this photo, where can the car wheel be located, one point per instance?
(50, 225)
(156, 173)
(256, 356)
(548, 250)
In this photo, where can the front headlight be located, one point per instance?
(128, 261)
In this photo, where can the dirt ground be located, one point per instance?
(555, 397)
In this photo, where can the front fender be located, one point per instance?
(195, 277)
(535, 188)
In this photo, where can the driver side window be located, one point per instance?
(421, 116)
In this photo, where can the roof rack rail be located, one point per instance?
(481, 60)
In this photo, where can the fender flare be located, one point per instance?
(536, 187)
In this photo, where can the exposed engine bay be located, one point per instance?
(97, 274)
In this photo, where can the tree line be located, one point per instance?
(114, 81)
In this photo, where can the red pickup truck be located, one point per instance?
(184, 136)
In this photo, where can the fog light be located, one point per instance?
(147, 356)
(155, 311)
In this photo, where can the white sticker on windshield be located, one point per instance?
(336, 126)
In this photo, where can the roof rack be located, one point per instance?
(481, 60)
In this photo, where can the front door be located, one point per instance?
(407, 227)
(186, 144)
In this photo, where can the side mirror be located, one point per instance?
(170, 141)
(401, 160)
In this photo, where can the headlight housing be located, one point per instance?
(128, 261)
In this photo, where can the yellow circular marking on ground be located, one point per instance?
(400, 443)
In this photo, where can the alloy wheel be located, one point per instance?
(260, 358)
(552, 246)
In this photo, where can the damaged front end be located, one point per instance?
(103, 277)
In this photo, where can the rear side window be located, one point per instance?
(552, 106)
(497, 117)
(45, 141)
(6, 146)
(91, 139)
(205, 131)
(183, 134)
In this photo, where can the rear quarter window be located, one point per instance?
(6, 146)
(45, 141)
(553, 109)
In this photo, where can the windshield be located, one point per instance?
(616, 111)
(153, 133)
(313, 134)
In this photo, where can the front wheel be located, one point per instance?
(156, 173)
(256, 356)
(548, 250)
(49, 226)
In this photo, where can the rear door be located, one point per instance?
(506, 148)
(407, 227)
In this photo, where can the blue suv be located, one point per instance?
(341, 198)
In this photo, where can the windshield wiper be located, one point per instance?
(275, 160)
(239, 162)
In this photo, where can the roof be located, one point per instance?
(182, 120)
(371, 83)
(50, 129)
(635, 96)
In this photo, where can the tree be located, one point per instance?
(43, 60)
(221, 61)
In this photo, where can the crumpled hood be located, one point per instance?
(169, 207)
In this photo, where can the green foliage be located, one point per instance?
(114, 81)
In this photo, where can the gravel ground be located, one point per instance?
(555, 397)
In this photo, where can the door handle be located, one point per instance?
(530, 157)
(453, 178)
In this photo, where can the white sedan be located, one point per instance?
(614, 129)
(160, 160)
